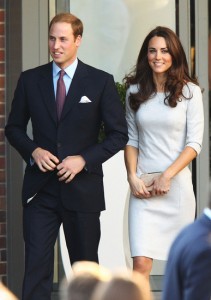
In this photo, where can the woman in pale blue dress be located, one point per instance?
(164, 112)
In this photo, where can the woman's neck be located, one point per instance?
(159, 82)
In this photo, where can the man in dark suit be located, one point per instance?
(63, 180)
(188, 270)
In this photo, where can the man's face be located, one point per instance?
(63, 46)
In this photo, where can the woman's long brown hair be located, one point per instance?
(177, 75)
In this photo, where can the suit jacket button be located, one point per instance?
(58, 145)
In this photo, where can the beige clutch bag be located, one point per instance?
(148, 179)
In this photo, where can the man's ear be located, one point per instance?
(78, 40)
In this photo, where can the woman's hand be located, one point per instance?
(161, 185)
(138, 188)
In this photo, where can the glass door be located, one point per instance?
(113, 34)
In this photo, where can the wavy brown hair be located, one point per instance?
(177, 75)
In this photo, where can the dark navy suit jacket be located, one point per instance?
(75, 134)
(188, 270)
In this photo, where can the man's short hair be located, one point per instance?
(75, 22)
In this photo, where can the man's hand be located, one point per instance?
(44, 159)
(69, 167)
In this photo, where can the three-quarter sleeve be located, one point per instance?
(131, 122)
(195, 119)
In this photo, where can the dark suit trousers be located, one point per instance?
(42, 218)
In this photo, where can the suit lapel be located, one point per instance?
(47, 90)
(76, 90)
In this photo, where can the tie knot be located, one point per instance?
(62, 73)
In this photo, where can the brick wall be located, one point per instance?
(3, 249)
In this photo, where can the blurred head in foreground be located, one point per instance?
(5, 294)
(83, 281)
(125, 285)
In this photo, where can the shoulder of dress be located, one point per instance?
(133, 88)
(190, 86)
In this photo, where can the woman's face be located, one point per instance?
(158, 55)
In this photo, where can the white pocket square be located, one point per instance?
(85, 99)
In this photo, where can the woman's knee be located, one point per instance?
(142, 264)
